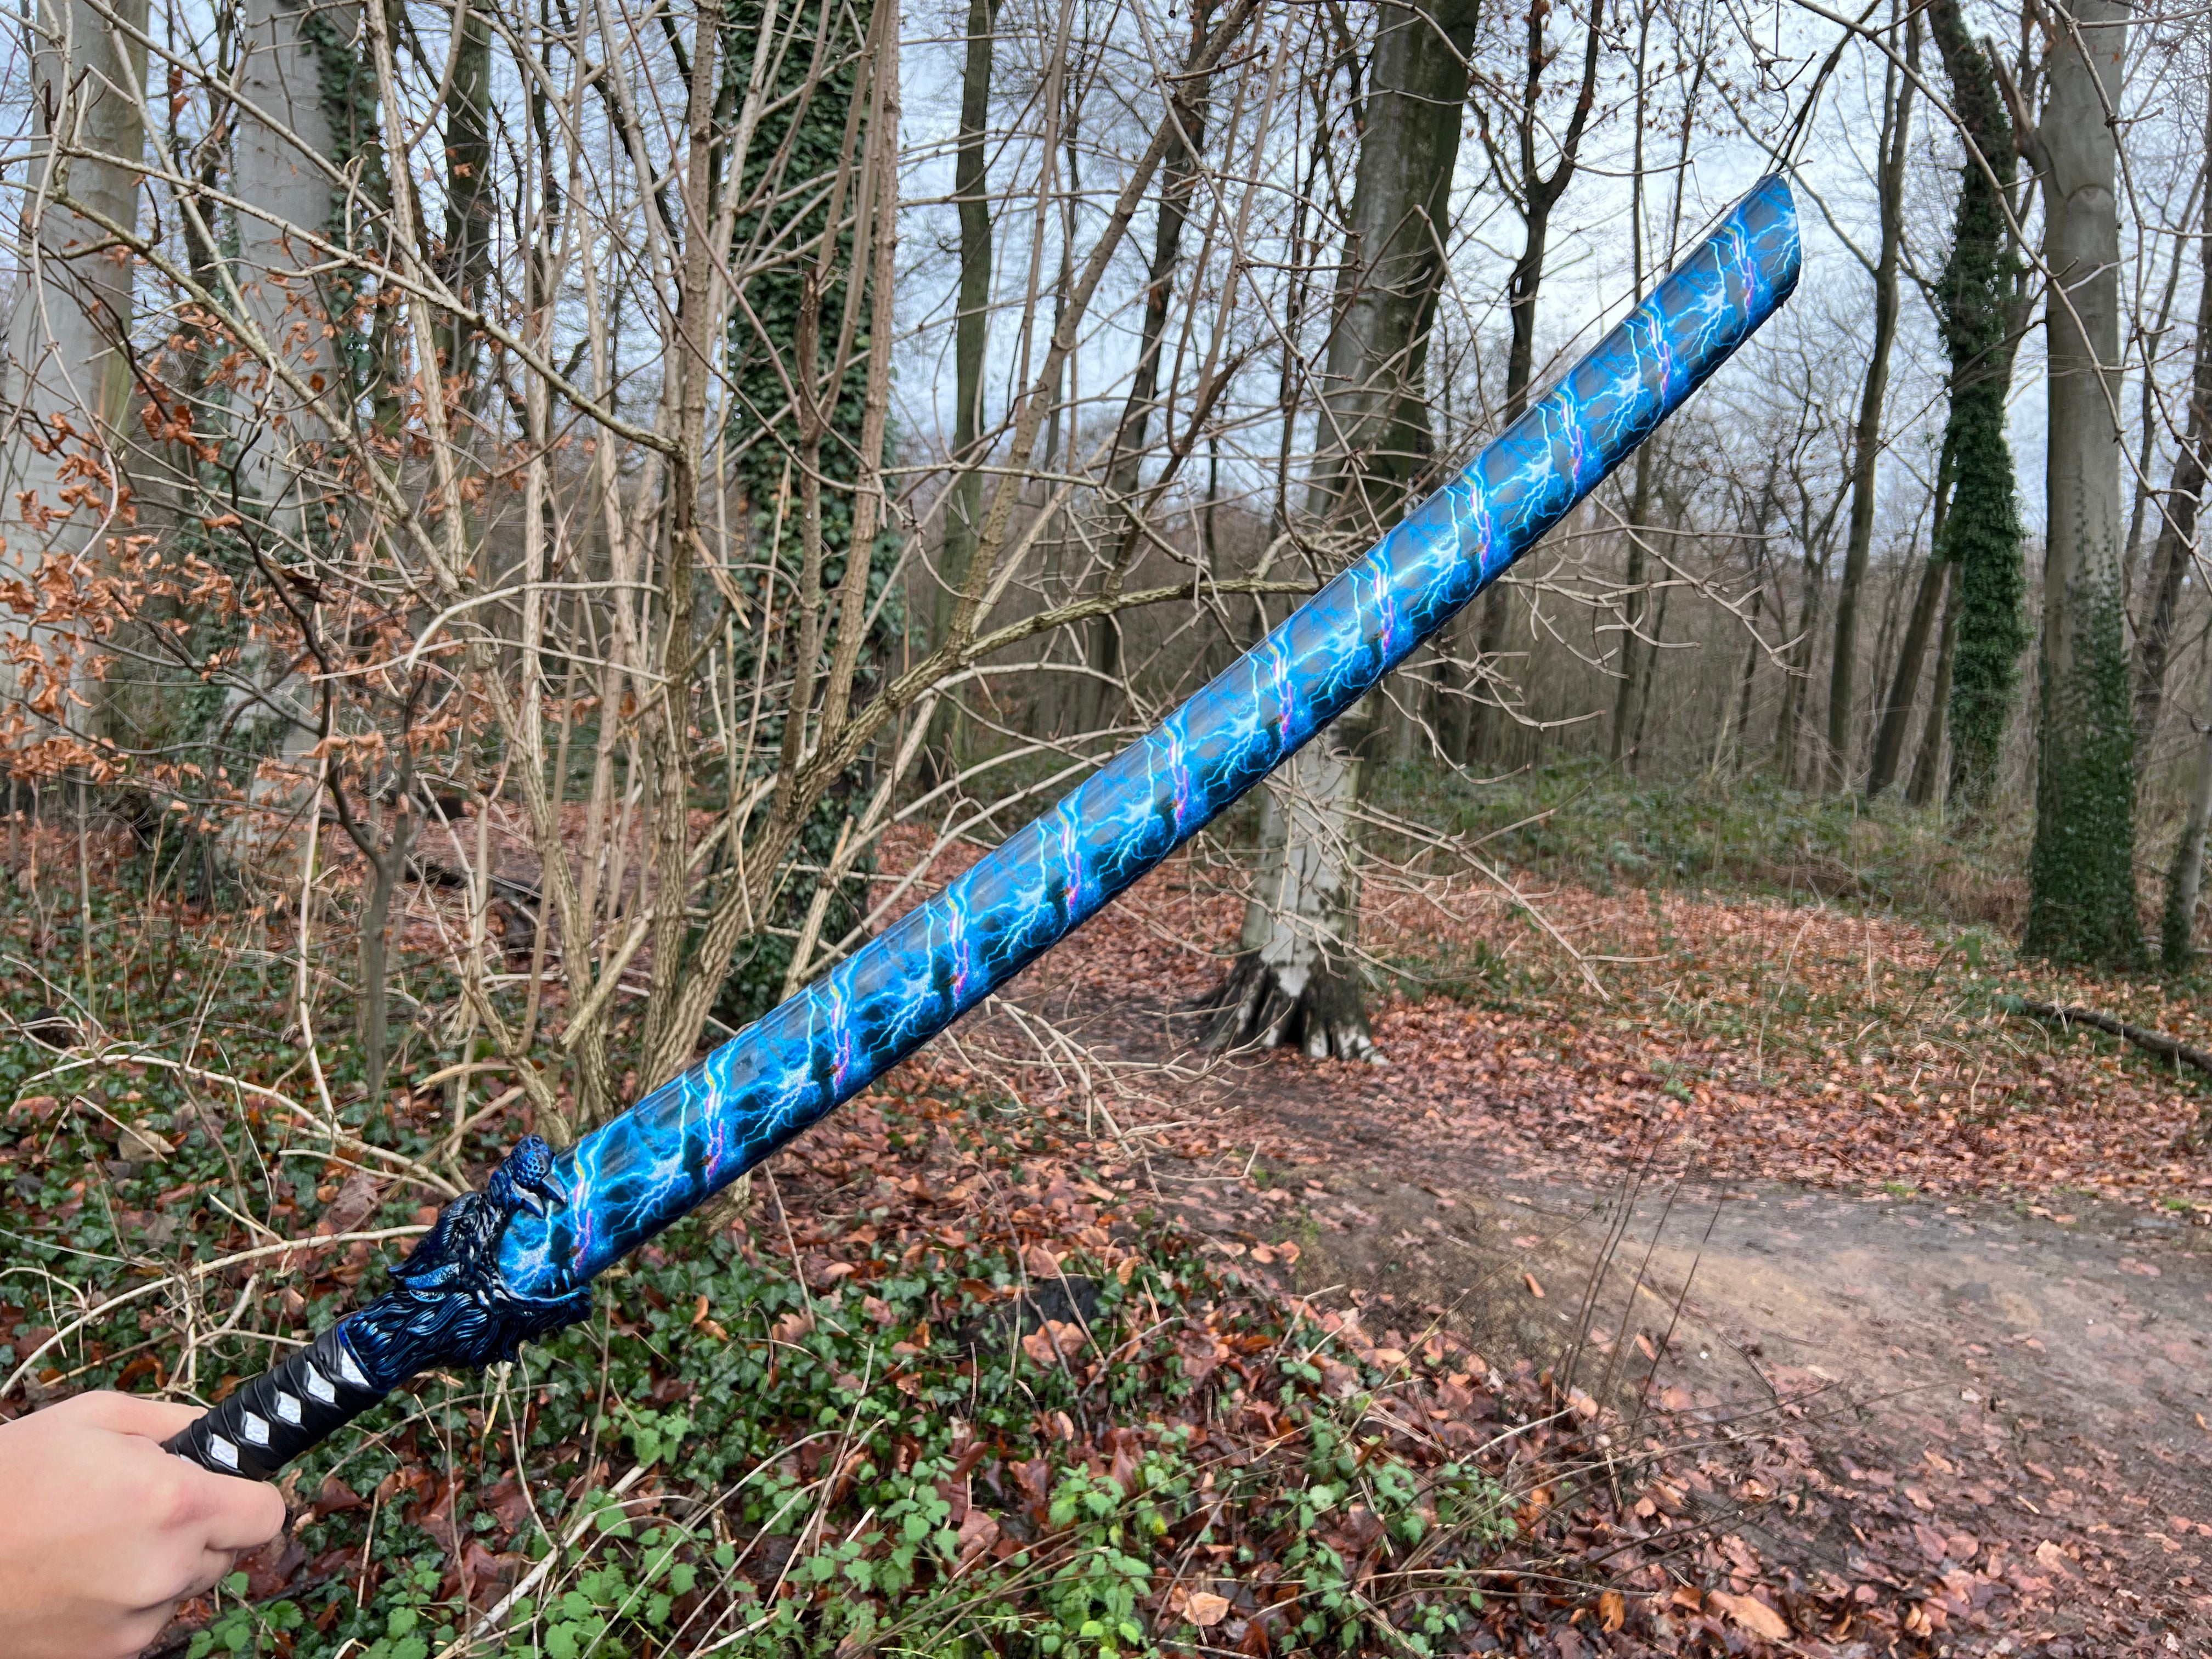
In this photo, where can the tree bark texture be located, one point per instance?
(2177, 534)
(971, 336)
(2082, 894)
(1625, 704)
(1927, 765)
(1866, 438)
(1896, 713)
(1296, 982)
(289, 140)
(1904, 684)
(2185, 878)
(669, 1037)
(1296, 977)
(69, 370)
(471, 201)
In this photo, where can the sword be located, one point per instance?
(514, 1262)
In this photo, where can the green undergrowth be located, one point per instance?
(1587, 822)
(948, 1393)
(808, 1492)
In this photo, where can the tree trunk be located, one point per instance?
(1296, 977)
(471, 204)
(385, 871)
(2082, 894)
(667, 1045)
(1539, 196)
(1125, 466)
(1626, 694)
(287, 141)
(1818, 545)
(2147, 408)
(280, 171)
(1866, 439)
(1650, 669)
(1927, 765)
(69, 374)
(1977, 298)
(2177, 534)
(964, 506)
(2184, 880)
(1904, 684)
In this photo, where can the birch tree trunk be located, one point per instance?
(2082, 894)
(1296, 977)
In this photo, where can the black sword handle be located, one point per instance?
(450, 1305)
(281, 1412)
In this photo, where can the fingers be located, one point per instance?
(242, 1515)
(215, 1566)
(131, 1413)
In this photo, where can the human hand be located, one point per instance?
(102, 1533)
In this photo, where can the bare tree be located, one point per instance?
(1867, 434)
(1296, 977)
(1535, 193)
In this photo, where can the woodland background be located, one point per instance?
(530, 530)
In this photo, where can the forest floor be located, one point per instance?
(1707, 1270)
(1803, 1176)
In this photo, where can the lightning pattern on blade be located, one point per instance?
(695, 1135)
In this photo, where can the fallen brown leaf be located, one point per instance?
(1754, 1615)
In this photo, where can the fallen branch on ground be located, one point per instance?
(2142, 1036)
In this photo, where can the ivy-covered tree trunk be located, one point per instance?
(1976, 299)
(1296, 978)
(2082, 893)
(803, 140)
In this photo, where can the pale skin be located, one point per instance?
(103, 1533)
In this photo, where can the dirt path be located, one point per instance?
(2014, 1400)
(2006, 1404)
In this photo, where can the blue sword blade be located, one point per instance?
(695, 1135)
